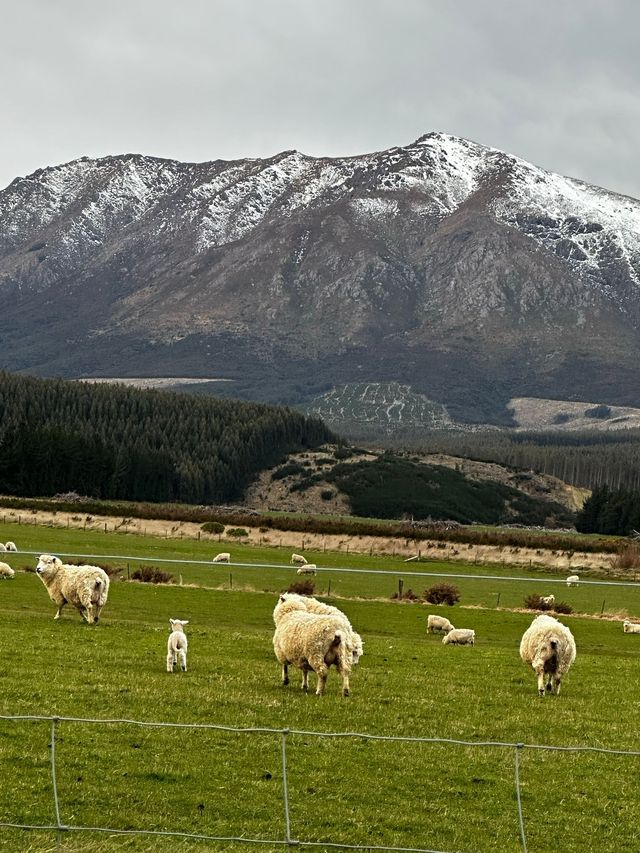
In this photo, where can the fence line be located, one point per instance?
(283, 734)
(334, 569)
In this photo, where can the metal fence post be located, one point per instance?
(519, 747)
(285, 787)
(59, 824)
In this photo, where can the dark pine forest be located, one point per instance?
(108, 441)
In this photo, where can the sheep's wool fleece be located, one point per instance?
(542, 630)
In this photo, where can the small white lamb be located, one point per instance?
(177, 645)
(298, 560)
(627, 627)
(6, 571)
(2, 547)
(460, 637)
(225, 557)
(436, 624)
(10, 546)
(572, 580)
(307, 569)
(548, 599)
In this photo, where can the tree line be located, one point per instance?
(610, 511)
(113, 442)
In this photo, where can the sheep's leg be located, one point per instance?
(305, 679)
(345, 683)
(170, 661)
(541, 680)
(322, 671)
(182, 656)
(60, 606)
(285, 673)
(557, 683)
(96, 612)
(87, 613)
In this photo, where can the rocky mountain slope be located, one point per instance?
(457, 270)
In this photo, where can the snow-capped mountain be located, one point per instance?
(462, 271)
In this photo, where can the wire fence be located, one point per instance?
(289, 837)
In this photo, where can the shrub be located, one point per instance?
(152, 574)
(442, 593)
(212, 527)
(238, 532)
(602, 412)
(535, 602)
(287, 470)
(305, 587)
(409, 595)
(628, 558)
(562, 607)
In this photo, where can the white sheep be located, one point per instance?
(550, 600)
(10, 546)
(177, 645)
(298, 560)
(312, 605)
(86, 587)
(313, 643)
(627, 627)
(436, 624)
(2, 547)
(549, 647)
(6, 571)
(460, 637)
(224, 557)
(307, 569)
(572, 580)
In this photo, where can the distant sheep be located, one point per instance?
(550, 600)
(86, 587)
(6, 571)
(313, 643)
(549, 647)
(312, 605)
(225, 557)
(437, 624)
(572, 580)
(298, 560)
(177, 645)
(2, 547)
(460, 637)
(10, 546)
(307, 569)
(627, 627)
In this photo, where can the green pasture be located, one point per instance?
(349, 790)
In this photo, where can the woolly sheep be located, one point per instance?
(224, 557)
(86, 587)
(2, 547)
(298, 560)
(572, 580)
(460, 637)
(312, 605)
(627, 627)
(307, 569)
(436, 624)
(312, 642)
(6, 571)
(177, 645)
(549, 647)
(10, 546)
(548, 599)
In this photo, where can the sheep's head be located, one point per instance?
(48, 566)
(178, 624)
(546, 656)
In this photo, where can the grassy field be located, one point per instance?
(350, 790)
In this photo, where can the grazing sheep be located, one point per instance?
(549, 647)
(460, 637)
(312, 642)
(225, 557)
(572, 580)
(2, 547)
(10, 546)
(86, 587)
(312, 605)
(548, 599)
(307, 569)
(627, 627)
(177, 645)
(436, 624)
(6, 571)
(298, 560)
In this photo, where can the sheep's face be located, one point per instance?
(546, 658)
(178, 624)
(48, 566)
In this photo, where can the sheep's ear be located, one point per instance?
(282, 598)
(172, 622)
(185, 621)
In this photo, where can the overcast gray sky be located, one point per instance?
(556, 82)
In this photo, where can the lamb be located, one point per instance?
(86, 587)
(550, 600)
(627, 627)
(298, 560)
(224, 557)
(177, 645)
(312, 605)
(6, 571)
(10, 546)
(460, 637)
(549, 647)
(307, 569)
(572, 580)
(312, 642)
(2, 547)
(436, 624)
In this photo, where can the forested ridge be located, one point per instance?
(109, 441)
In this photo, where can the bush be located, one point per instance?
(535, 602)
(601, 412)
(152, 574)
(287, 470)
(562, 607)
(628, 558)
(305, 587)
(442, 593)
(212, 527)
(238, 532)
(409, 595)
